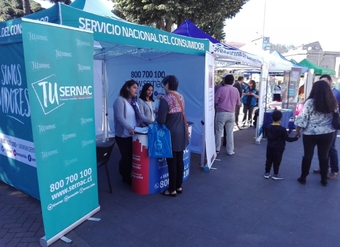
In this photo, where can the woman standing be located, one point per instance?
(249, 100)
(146, 102)
(126, 117)
(171, 113)
(316, 122)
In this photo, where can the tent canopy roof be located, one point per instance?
(318, 70)
(225, 55)
(187, 28)
(274, 63)
(304, 69)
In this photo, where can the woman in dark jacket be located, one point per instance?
(171, 113)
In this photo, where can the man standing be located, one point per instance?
(333, 153)
(238, 84)
(226, 99)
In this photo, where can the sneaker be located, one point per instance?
(217, 152)
(277, 177)
(333, 175)
(267, 175)
(232, 153)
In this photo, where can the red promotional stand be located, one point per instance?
(150, 175)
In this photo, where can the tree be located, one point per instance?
(209, 15)
(10, 9)
(26, 7)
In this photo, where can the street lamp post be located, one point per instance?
(264, 25)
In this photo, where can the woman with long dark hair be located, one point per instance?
(249, 100)
(146, 102)
(316, 122)
(126, 117)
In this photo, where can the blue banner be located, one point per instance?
(17, 154)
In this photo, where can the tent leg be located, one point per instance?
(105, 115)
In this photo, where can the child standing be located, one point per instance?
(276, 137)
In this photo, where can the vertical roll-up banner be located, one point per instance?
(59, 69)
(262, 103)
(209, 111)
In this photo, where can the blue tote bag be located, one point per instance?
(159, 139)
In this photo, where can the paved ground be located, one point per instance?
(231, 206)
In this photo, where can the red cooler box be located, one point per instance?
(150, 175)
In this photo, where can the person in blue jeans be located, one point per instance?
(226, 99)
(333, 153)
(249, 100)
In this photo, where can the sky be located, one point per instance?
(289, 22)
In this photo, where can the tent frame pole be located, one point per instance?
(104, 112)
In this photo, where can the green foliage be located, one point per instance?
(209, 15)
(10, 9)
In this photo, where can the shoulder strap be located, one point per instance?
(182, 108)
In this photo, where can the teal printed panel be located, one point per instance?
(17, 156)
(59, 67)
(122, 32)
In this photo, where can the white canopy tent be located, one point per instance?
(271, 63)
(274, 63)
(224, 54)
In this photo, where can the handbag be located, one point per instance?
(159, 139)
(336, 121)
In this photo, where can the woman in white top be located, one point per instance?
(126, 117)
(315, 121)
(146, 102)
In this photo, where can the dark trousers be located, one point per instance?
(125, 163)
(323, 143)
(333, 156)
(247, 109)
(237, 112)
(176, 169)
(274, 157)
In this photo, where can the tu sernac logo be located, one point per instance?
(38, 66)
(61, 54)
(80, 42)
(32, 37)
(51, 95)
(82, 68)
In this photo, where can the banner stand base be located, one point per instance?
(45, 243)
(206, 168)
(94, 219)
(66, 239)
